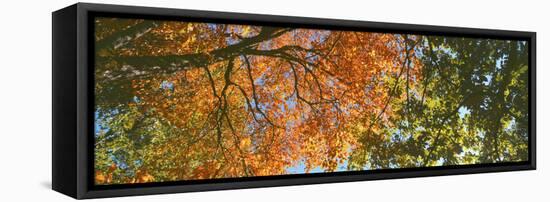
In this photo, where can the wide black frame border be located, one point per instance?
(85, 98)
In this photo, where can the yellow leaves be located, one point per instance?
(192, 39)
(245, 142)
(246, 31)
(187, 29)
(128, 124)
(372, 53)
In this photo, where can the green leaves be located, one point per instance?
(461, 114)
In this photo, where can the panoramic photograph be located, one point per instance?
(180, 100)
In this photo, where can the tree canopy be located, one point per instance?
(189, 100)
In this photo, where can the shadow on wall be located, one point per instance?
(46, 184)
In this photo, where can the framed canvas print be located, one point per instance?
(155, 100)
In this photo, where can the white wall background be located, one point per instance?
(25, 100)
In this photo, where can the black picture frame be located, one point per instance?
(73, 109)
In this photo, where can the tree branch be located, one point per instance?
(141, 67)
(123, 37)
(254, 95)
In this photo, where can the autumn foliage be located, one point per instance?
(186, 101)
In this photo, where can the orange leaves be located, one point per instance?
(268, 105)
(105, 178)
(142, 176)
(100, 178)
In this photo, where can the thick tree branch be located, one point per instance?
(140, 67)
